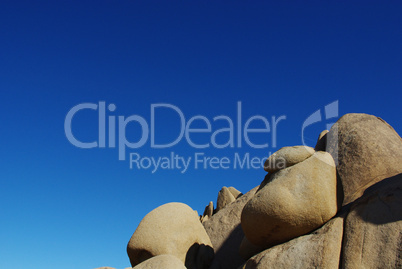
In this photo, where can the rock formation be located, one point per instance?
(366, 150)
(373, 228)
(335, 206)
(320, 249)
(225, 197)
(226, 233)
(174, 229)
(293, 202)
(321, 141)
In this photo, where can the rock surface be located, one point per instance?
(161, 262)
(290, 220)
(286, 157)
(226, 234)
(248, 250)
(236, 194)
(209, 209)
(321, 141)
(366, 150)
(292, 202)
(208, 212)
(225, 197)
(373, 228)
(321, 249)
(172, 229)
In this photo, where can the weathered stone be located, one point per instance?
(204, 218)
(161, 262)
(321, 141)
(320, 249)
(172, 229)
(292, 202)
(225, 197)
(247, 249)
(236, 194)
(199, 257)
(209, 209)
(286, 157)
(226, 234)
(373, 228)
(208, 212)
(366, 150)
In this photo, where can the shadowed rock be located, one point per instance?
(321, 249)
(373, 228)
(226, 234)
(321, 141)
(366, 150)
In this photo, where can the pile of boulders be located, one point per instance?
(335, 205)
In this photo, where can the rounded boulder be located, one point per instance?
(292, 202)
(173, 229)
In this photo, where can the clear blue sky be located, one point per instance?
(66, 207)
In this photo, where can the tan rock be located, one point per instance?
(236, 194)
(321, 141)
(366, 150)
(292, 202)
(286, 157)
(209, 209)
(321, 249)
(172, 229)
(161, 262)
(204, 218)
(226, 234)
(247, 249)
(225, 197)
(208, 212)
(373, 228)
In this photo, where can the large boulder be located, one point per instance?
(292, 202)
(373, 228)
(161, 262)
(174, 229)
(287, 156)
(366, 150)
(226, 234)
(321, 249)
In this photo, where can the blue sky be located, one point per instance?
(77, 208)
